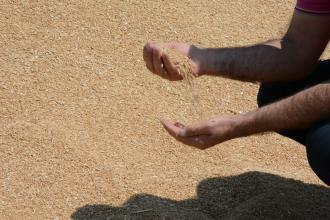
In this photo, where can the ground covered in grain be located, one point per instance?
(80, 136)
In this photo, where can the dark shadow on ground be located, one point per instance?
(252, 195)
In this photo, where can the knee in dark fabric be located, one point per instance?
(318, 151)
(264, 95)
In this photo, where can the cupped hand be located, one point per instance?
(204, 134)
(158, 62)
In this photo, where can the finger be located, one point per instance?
(175, 131)
(195, 141)
(180, 47)
(178, 124)
(200, 128)
(172, 71)
(181, 130)
(201, 142)
(147, 56)
(157, 61)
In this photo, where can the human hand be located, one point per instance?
(205, 134)
(159, 62)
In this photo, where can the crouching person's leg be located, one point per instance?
(318, 150)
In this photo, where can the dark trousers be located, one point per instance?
(317, 137)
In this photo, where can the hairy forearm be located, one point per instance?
(269, 62)
(291, 58)
(298, 111)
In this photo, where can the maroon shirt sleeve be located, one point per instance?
(314, 6)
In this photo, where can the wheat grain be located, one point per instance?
(183, 64)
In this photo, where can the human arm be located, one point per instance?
(291, 58)
(297, 111)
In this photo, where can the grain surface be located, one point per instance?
(80, 136)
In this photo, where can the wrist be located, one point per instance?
(199, 57)
(204, 59)
(246, 124)
(212, 61)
